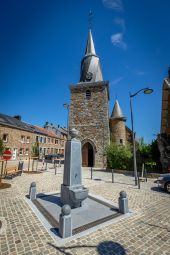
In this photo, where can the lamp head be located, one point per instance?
(148, 91)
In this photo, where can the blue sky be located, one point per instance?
(42, 44)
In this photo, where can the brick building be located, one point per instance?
(19, 137)
(89, 111)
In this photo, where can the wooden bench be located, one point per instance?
(12, 171)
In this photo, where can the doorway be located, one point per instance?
(87, 155)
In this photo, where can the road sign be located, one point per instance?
(7, 155)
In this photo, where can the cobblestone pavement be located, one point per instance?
(146, 232)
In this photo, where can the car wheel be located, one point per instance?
(167, 187)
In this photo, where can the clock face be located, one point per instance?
(89, 76)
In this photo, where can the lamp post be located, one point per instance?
(67, 106)
(145, 91)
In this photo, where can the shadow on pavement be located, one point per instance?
(158, 189)
(106, 247)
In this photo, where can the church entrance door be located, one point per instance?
(87, 155)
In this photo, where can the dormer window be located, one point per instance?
(88, 94)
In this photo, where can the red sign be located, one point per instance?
(7, 155)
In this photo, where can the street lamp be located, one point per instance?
(67, 106)
(145, 91)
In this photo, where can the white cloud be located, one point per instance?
(117, 40)
(113, 4)
(116, 81)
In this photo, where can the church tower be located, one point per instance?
(89, 110)
(117, 125)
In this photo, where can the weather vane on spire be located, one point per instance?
(90, 19)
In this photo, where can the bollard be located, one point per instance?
(55, 166)
(46, 166)
(123, 202)
(32, 191)
(112, 176)
(65, 222)
(21, 165)
(91, 173)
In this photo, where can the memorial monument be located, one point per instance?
(72, 190)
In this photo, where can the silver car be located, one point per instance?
(164, 182)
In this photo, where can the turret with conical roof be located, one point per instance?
(90, 65)
(117, 125)
(117, 112)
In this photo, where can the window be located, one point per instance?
(26, 151)
(5, 138)
(21, 150)
(37, 140)
(44, 139)
(40, 150)
(44, 151)
(48, 140)
(121, 141)
(41, 139)
(22, 139)
(28, 139)
(52, 140)
(88, 94)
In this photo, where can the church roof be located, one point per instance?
(117, 112)
(90, 65)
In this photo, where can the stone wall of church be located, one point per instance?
(118, 131)
(91, 116)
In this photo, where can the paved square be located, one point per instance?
(147, 231)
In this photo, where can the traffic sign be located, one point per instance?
(7, 155)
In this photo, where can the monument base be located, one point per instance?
(73, 195)
(93, 212)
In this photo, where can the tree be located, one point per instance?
(2, 147)
(144, 151)
(118, 156)
(35, 150)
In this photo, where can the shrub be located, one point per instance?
(118, 156)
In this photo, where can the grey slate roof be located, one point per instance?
(15, 123)
(90, 65)
(117, 112)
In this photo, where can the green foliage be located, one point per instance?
(35, 150)
(149, 152)
(118, 156)
(2, 147)
(144, 151)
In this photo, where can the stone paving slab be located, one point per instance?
(147, 232)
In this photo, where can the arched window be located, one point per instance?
(88, 94)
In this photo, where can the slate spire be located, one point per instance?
(90, 50)
(90, 64)
(117, 112)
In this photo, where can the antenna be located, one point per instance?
(90, 19)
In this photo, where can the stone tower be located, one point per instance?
(165, 116)
(117, 125)
(89, 110)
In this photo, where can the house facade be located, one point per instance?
(19, 137)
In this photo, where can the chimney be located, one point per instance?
(18, 117)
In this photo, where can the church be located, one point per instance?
(89, 111)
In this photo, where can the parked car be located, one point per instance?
(51, 156)
(164, 182)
